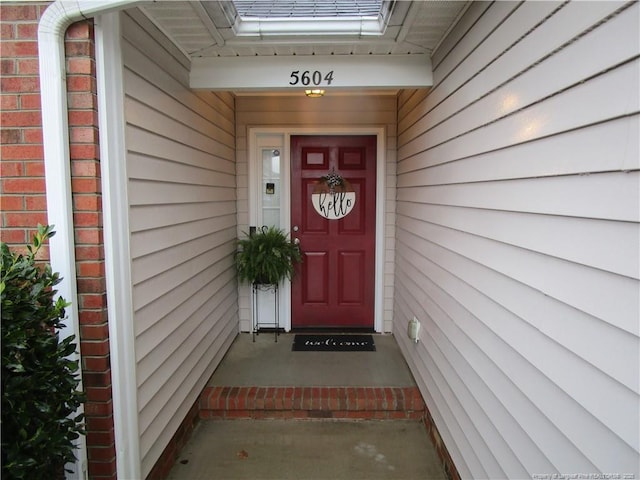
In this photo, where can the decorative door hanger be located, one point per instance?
(333, 197)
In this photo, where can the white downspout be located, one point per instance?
(55, 130)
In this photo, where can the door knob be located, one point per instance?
(296, 228)
(296, 241)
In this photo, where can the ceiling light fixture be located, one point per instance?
(314, 92)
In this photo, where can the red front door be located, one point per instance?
(334, 284)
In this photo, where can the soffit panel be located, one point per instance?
(206, 29)
(202, 29)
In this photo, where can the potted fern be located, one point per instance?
(266, 257)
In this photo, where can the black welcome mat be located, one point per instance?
(333, 343)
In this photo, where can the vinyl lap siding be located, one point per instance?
(517, 239)
(181, 169)
(330, 111)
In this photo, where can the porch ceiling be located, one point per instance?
(204, 29)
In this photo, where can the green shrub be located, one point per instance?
(40, 398)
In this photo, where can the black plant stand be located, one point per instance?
(256, 315)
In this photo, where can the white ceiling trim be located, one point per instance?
(264, 27)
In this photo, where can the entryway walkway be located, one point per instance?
(290, 411)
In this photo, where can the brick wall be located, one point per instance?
(22, 184)
(23, 198)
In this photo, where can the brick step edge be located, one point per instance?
(312, 402)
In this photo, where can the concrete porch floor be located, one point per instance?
(302, 446)
(269, 363)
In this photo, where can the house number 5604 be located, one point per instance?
(310, 78)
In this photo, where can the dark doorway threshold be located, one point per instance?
(332, 330)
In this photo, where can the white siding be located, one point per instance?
(181, 169)
(518, 239)
(329, 111)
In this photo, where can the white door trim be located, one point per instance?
(285, 218)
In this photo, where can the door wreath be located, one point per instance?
(333, 197)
